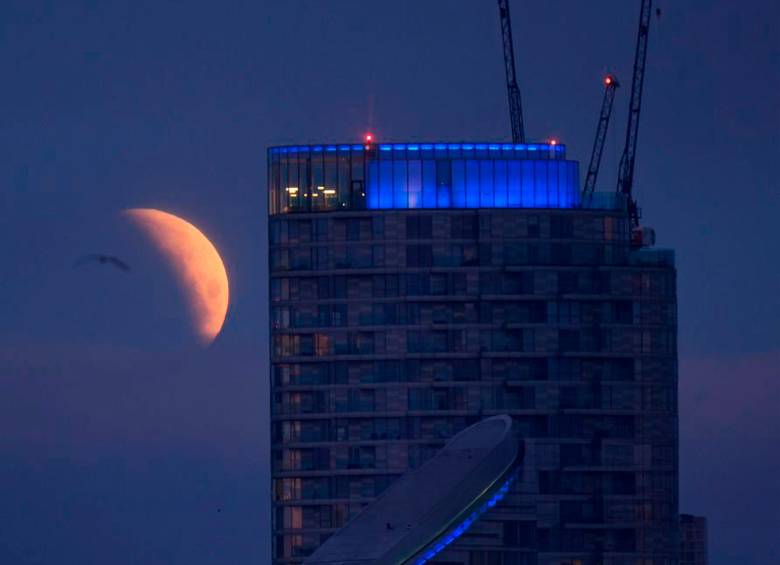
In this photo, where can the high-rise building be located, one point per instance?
(693, 540)
(419, 288)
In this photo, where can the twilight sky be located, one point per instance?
(121, 441)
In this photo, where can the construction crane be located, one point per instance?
(610, 85)
(515, 106)
(625, 183)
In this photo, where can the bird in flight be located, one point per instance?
(103, 260)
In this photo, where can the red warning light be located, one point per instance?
(553, 141)
(368, 138)
(608, 80)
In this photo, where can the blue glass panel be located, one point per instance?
(472, 183)
(458, 184)
(573, 183)
(429, 183)
(385, 184)
(400, 194)
(443, 182)
(553, 170)
(528, 197)
(541, 187)
(564, 198)
(415, 184)
(514, 183)
(464, 175)
(501, 200)
(486, 188)
(372, 185)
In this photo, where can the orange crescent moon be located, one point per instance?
(199, 268)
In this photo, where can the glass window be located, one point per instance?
(378, 227)
(419, 256)
(344, 180)
(528, 196)
(541, 185)
(429, 184)
(419, 227)
(374, 185)
(400, 188)
(514, 183)
(472, 184)
(443, 183)
(415, 184)
(486, 186)
(385, 184)
(317, 183)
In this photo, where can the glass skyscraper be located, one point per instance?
(419, 288)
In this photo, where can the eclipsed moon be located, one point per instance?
(198, 267)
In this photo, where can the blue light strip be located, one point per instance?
(557, 148)
(463, 526)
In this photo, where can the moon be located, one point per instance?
(196, 262)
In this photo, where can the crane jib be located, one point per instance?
(513, 91)
(625, 183)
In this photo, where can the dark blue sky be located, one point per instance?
(120, 440)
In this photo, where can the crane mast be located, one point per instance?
(513, 91)
(627, 160)
(610, 86)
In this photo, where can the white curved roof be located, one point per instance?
(413, 515)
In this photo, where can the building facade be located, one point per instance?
(419, 288)
(693, 540)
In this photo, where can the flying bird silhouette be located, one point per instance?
(103, 260)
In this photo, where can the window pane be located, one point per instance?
(443, 183)
(385, 184)
(486, 189)
(528, 198)
(458, 184)
(541, 185)
(400, 194)
(500, 178)
(472, 184)
(514, 183)
(373, 185)
(415, 184)
(429, 184)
